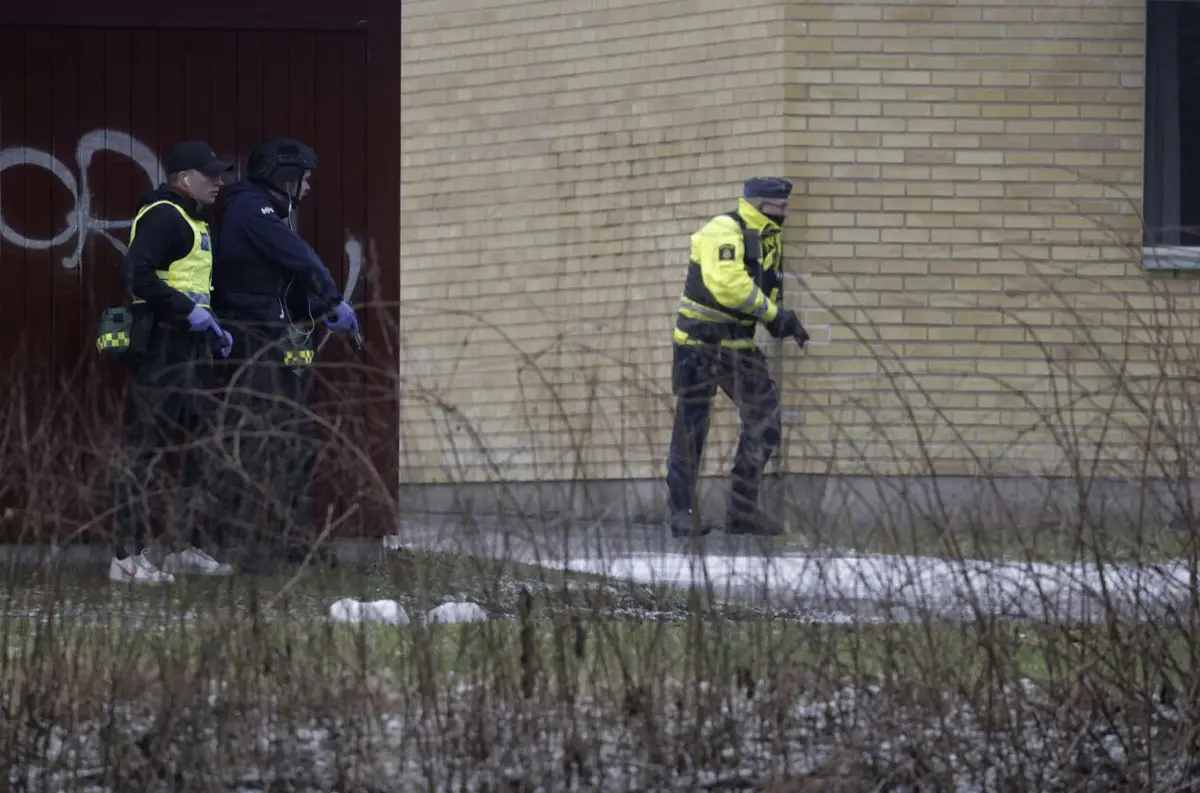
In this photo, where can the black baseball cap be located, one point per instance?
(196, 155)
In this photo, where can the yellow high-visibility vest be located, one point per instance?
(730, 288)
(191, 275)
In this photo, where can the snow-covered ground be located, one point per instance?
(1016, 590)
(840, 585)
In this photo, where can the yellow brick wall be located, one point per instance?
(554, 160)
(973, 175)
(968, 182)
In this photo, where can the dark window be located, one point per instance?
(1172, 150)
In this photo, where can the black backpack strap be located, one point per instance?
(750, 239)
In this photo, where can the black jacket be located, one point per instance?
(262, 266)
(162, 238)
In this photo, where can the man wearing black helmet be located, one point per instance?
(269, 289)
(264, 272)
(733, 285)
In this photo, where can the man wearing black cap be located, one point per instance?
(732, 285)
(167, 272)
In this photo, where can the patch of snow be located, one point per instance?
(1000, 588)
(387, 612)
(826, 583)
(449, 613)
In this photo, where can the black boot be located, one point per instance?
(752, 521)
(683, 525)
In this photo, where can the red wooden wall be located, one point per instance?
(93, 96)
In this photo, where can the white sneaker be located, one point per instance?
(194, 560)
(137, 569)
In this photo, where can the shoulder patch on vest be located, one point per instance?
(727, 253)
(205, 242)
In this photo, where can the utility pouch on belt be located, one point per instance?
(297, 349)
(120, 338)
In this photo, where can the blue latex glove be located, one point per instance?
(201, 319)
(226, 340)
(342, 318)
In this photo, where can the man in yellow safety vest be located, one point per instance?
(167, 273)
(733, 285)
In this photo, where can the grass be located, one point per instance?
(242, 697)
(608, 649)
(419, 580)
(612, 631)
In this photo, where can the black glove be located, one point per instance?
(800, 335)
(786, 323)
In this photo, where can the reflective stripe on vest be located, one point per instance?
(191, 275)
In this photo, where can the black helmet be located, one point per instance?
(280, 160)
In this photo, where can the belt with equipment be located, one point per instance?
(708, 332)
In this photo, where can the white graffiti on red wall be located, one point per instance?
(80, 220)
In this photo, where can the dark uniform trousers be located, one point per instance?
(273, 441)
(697, 372)
(168, 410)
